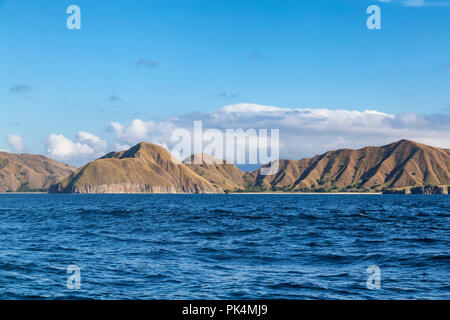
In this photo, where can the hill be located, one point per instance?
(144, 168)
(397, 165)
(221, 173)
(27, 172)
(148, 168)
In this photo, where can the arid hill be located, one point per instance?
(27, 172)
(222, 174)
(148, 168)
(144, 168)
(396, 165)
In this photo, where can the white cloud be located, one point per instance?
(304, 132)
(85, 147)
(60, 147)
(248, 108)
(15, 143)
(92, 140)
(132, 133)
(119, 146)
(139, 131)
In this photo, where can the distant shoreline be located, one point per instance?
(24, 192)
(337, 193)
(244, 193)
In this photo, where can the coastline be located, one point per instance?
(24, 192)
(312, 193)
(244, 193)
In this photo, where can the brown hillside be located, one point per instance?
(220, 173)
(27, 172)
(400, 164)
(144, 168)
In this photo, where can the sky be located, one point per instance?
(136, 70)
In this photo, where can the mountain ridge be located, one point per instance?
(403, 166)
(399, 164)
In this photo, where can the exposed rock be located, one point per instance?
(419, 190)
(430, 190)
(144, 168)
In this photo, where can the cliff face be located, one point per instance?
(400, 164)
(419, 190)
(219, 173)
(144, 168)
(27, 172)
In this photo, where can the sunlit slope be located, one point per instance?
(400, 164)
(28, 172)
(220, 173)
(144, 168)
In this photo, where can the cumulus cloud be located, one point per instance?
(86, 146)
(91, 140)
(304, 132)
(139, 131)
(136, 131)
(15, 143)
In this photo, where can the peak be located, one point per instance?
(406, 141)
(410, 143)
(143, 144)
(144, 147)
(137, 150)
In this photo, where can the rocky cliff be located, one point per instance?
(144, 168)
(419, 190)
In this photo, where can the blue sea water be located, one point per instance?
(224, 246)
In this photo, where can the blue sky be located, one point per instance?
(153, 60)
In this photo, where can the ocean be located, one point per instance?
(72, 246)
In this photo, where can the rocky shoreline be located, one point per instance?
(419, 190)
(134, 188)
